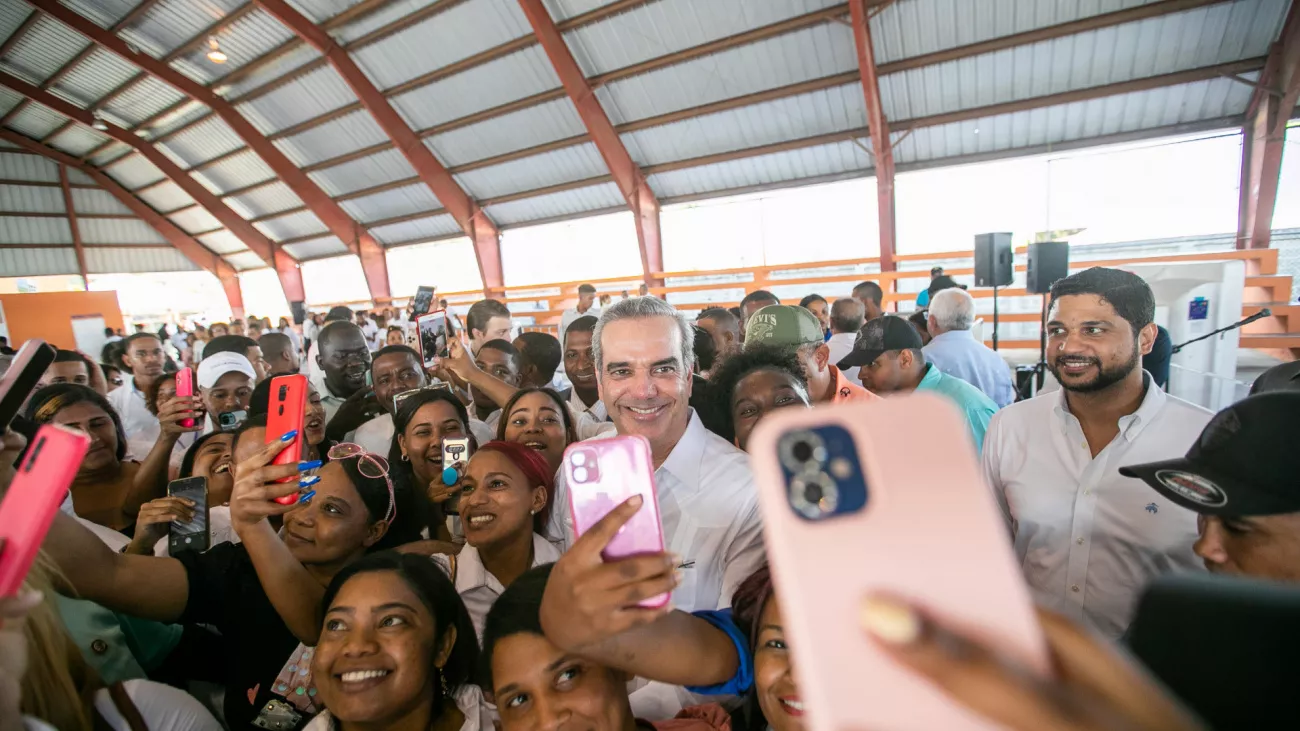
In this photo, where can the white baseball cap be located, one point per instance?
(214, 366)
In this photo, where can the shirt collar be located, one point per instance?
(598, 410)
(931, 378)
(953, 335)
(684, 461)
(1131, 426)
(472, 574)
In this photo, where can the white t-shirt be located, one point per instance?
(469, 699)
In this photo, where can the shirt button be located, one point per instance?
(1079, 541)
(99, 647)
(1075, 588)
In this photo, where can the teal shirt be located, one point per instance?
(974, 405)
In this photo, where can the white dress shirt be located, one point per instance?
(959, 354)
(1087, 538)
(841, 344)
(589, 421)
(480, 589)
(571, 314)
(327, 397)
(709, 509)
(375, 435)
(141, 427)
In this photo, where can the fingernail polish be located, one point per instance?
(890, 621)
(313, 464)
(306, 496)
(309, 481)
(288, 437)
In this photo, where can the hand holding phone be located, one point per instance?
(38, 488)
(185, 389)
(193, 534)
(455, 453)
(22, 377)
(285, 415)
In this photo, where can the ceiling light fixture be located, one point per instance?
(215, 54)
(99, 123)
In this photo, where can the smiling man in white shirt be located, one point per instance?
(143, 355)
(1088, 538)
(708, 504)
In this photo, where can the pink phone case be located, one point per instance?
(185, 387)
(929, 532)
(611, 471)
(38, 488)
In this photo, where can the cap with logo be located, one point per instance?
(214, 366)
(880, 335)
(1244, 463)
(783, 325)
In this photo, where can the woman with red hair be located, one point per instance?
(504, 505)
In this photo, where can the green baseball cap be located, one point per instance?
(783, 325)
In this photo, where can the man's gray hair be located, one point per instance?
(641, 308)
(953, 309)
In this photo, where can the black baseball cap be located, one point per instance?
(880, 335)
(1245, 462)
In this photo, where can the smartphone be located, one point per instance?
(285, 414)
(601, 475)
(185, 388)
(455, 453)
(852, 482)
(422, 301)
(20, 380)
(231, 420)
(38, 488)
(433, 333)
(194, 535)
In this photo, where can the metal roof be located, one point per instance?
(708, 98)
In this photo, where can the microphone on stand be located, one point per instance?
(1266, 312)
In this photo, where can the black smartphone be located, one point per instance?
(20, 380)
(231, 420)
(423, 300)
(194, 535)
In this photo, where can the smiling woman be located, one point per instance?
(538, 419)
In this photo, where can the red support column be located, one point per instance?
(881, 148)
(1263, 136)
(72, 224)
(234, 295)
(626, 173)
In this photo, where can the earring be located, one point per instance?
(405, 458)
(442, 682)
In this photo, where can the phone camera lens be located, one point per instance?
(814, 495)
(284, 391)
(580, 474)
(802, 451)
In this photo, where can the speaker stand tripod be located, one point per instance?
(995, 316)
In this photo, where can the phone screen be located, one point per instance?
(196, 489)
(433, 337)
(422, 301)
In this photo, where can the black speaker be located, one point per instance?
(994, 263)
(1048, 262)
(299, 310)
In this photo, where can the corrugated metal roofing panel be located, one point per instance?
(400, 202)
(223, 242)
(86, 201)
(811, 53)
(109, 155)
(142, 100)
(316, 248)
(166, 197)
(249, 37)
(36, 121)
(195, 219)
(308, 96)
(549, 168)
(28, 167)
(389, 13)
(421, 228)
(567, 203)
(12, 15)
(778, 167)
(519, 130)
(301, 54)
(78, 177)
(35, 231)
(265, 200)
(78, 140)
(442, 39)
(46, 46)
(31, 199)
(101, 72)
(1201, 100)
(169, 23)
(19, 262)
(820, 112)
(118, 231)
(134, 171)
(244, 260)
(115, 259)
(377, 169)
(350, 132)
(504, 80)
(204, 141)
(179, 117)
(666, 26)
(1159, 45)
(8, 100)
(322, 10)
(236, 171)
(293, 225)
(565, 9)
(103, 12)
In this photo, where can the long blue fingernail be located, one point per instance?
(288, 437)
(309, 481)
(306, 496)
(313, 464)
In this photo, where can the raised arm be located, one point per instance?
(151, 479)
(461, 364)
(590, 609)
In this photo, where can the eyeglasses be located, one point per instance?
(369, 465)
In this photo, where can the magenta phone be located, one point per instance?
(34, 496)
(601, 475)
(185, 388)
(20, 380)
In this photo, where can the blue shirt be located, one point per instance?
(974, 405)
(743, 680)
(958, 353)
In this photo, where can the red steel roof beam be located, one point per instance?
(72, 225)
(881, 146)
(626, 173)
(468, 214)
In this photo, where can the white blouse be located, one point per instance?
(469, 699)
(480, 589)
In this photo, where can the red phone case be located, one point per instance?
(426, 357)
(38, 489)
(288, 399)
(185, 388)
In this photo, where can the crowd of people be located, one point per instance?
(400, 591)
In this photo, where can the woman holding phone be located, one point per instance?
(209, 458)
(420, 424)
(540, 420)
